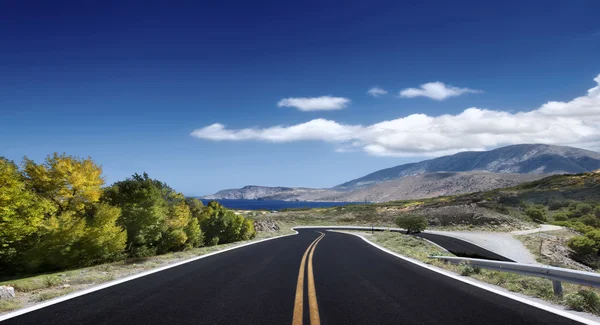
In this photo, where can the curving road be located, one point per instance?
(343, 280)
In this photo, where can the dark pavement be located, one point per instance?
(462, 248)
(355, 284)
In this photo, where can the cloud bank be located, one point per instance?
(436, 90)
(323, 103)
(376, 92)
(576, 122)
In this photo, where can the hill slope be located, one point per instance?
(429, 185)
(253, 192)
(522, 159)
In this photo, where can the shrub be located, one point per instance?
(582, 246)
(560, 216)
(214, 241)
(583, 300)
(468, 269)
(537, 213)
(595, 236)
(412, 223)
(557, 204)
(584, 208)
(597, 211)
(590, 220)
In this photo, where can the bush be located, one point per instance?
(537, 213)
(597, 211)
(214, 241)
(557, 204)
(412, 223)
(582, 246)
(560, 216)
(467, 269)
(584, 208)
(590, 220)
(583, 300)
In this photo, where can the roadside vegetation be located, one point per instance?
(37, 288)
(575, 297)
(58, 215)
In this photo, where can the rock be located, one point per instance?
(64, 286)
(7, 293)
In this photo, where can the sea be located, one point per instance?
(274, 204)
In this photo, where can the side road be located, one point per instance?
(501, 243)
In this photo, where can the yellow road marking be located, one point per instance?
(312, 293)
(299, 301)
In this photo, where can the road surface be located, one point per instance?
(344, 281)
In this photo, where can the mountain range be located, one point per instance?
(464, 172)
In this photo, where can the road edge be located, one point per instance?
(105, 285)
(474, 283)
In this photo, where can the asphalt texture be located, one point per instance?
(462, 248)
(356, 283)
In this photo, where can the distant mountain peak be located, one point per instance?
(534, 158)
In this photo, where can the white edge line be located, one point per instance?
(482, 286)
(125, 279)
(421, 264)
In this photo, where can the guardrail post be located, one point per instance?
(557, 288)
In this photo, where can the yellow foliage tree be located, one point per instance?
(21, 212)
(71, 183)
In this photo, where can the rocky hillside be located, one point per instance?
(463, 172)
(434, 184)
(252, 192)
(522, 159)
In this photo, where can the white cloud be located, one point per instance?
(436, 90)
(323, 103)
(576, 122)
(376, 91)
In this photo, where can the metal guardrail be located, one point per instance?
(556, 274)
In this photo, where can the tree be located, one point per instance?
(144, 211)
(69, 182)
(69, 240)
(103, 240)
(21, 212)
(222, 226)
(195, 206)
(58, 245)
(248, 231)
(413, 223)
(537, 213)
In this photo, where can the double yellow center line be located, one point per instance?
(312, 293)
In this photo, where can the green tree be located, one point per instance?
(71, 183)
(59, 243)
(196, 207)
(22, 213)
(222, 226)
(413, 223)
(144, 212)
(182, 230)
(537, 213)
(248, 231)
(103, 239)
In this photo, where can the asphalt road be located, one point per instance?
(354, 283)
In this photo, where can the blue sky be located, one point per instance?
(128, 82)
